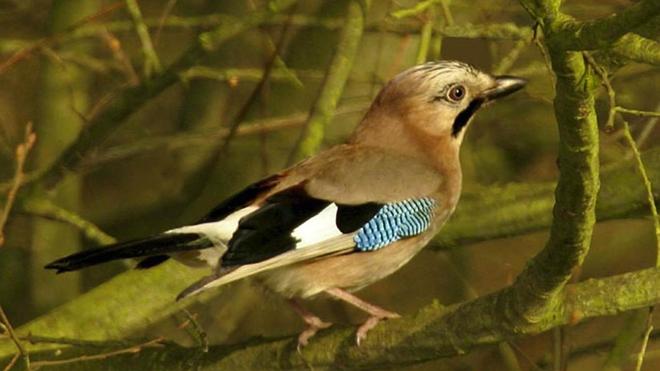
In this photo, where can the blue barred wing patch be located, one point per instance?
(395, 221)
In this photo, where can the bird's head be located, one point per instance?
(434, 101)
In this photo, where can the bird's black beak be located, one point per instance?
(505, 85)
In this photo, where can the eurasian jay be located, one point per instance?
(345, 218)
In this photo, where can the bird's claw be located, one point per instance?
(313, 326)
(370, 323)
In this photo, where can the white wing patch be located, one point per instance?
(219, 232)
(321, 227)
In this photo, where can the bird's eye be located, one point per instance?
(456, 93)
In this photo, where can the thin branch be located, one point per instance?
(26, 51)
(46, 209)
(635, 112)
(332, 88)
(22, 152)
(167, 9)
(12, 362)
(424, 42)
(36, 339)
(85, 358)
(238, 75)
(195, 329)
(611, 95)
(12, 335)
(507, 62)
(198, 189)
(645, 341)
(623, 345)
(120, 57)
(151, 61)
(648, 186)
(647, 129)
(415, 10)
(189, 141)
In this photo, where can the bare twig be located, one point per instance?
(647, 186)
(28, 50)
(38, 339)
(206, 138)
(415, 10)
(312, 135)
(163, 18)
(192, 326)
(536, 39)
(611, 95)
(151, 61)
(10, 331)
(120, 56)
(12, 362)
(46, 209)
(424, 41)
(130, 350)
(648, 128)
(21, 155)
(507, 62)
(222, 149)
(637, 112)
(645, 341)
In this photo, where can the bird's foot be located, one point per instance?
(376, 313)
(314, 324)
(371, 322)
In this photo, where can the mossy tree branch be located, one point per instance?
(638, 49)
(428, 335)
(600, 33)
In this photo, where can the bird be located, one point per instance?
(349, 216)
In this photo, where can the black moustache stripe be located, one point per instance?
(464, 117)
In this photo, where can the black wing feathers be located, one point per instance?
(152, 261)
(350, 218)
(150, 246)
(267, 231)
(241, 199)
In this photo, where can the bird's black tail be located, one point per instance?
(159, 245)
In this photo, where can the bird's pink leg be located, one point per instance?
(376, 314)
(314, 323)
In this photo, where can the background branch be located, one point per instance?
(130, 99)
(333, 85)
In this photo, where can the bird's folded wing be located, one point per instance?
(334, 246)
(356, 175)
(349, 198)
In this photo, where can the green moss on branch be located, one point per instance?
(600, 33)
(434, 332)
